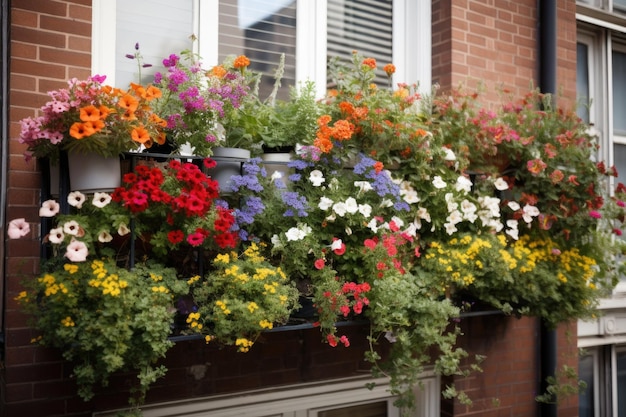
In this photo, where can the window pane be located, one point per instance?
(378, 409)
(582, 81)
(621, 384)
(364, 26)
(619, 92)
(585, 399)
(165, 28)
(262, 30)
(619, 4)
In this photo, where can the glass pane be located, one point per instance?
(364, 26)
(619, 4)
(621, 384)
(585, 399)
(619, 92)
(262, 30)
(582, 81)
(378, 409)
(165, 28)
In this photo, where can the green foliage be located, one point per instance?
(105, 319)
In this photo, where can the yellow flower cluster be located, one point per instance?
(266, 324)
(68, 322)
(52, 287)
(193, 321)
(109, 283)
(244, 344)
(222, 305)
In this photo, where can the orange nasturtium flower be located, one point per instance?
(323, 144)
(140, 135)
(241, 62)
(89, 113)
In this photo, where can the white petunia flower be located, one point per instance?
(123, 230)
(513, 205)
(438, 182)
(101, 200)
(76, 199)
(340, 209)
(276, 241)
(351, 205)
(501, 184)
(77, 251)
(49, 208)
(423, 214)
(363, 186)
(56, 235)
(529, 212)
(72, 228)
(365, 210)
(450, 156)
(463, 184)
(104, 236)
(18, 228)
(325, 203)
(317, 178)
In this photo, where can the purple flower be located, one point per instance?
(296, 203)
(171, 61)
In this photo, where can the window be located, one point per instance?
(342, 398)
(306, 31)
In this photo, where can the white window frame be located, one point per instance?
(302, 400)
(411, 21)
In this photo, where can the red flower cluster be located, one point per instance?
(179, 198)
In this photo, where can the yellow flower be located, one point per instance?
(71, 268)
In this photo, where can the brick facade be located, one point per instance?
(491, 41)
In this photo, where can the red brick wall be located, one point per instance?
(50, 43)
(488, 40)
(494, 43)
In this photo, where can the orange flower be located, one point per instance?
(323, 144)
(389, 69)
(370, 62)
(129, 115)
(104, 111)
(140, 135)
(323, 120)
(153, 92)
(97, 125)
(154, 118)
(241, 62)
(218, 71)
(89, 113)
(342, 130)
(81, 130)
(346, 108)
(128, 102)
(161, 138)
(378, 166)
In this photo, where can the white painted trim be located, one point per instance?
(206, 16)
(296, 400)
(412, 43)
(103, 38)
(311, 43)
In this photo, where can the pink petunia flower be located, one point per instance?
(18, 228)
(77, 251)
(49, 208)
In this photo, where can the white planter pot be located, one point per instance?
(229, 162)
(277, 163)
(91, 172)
